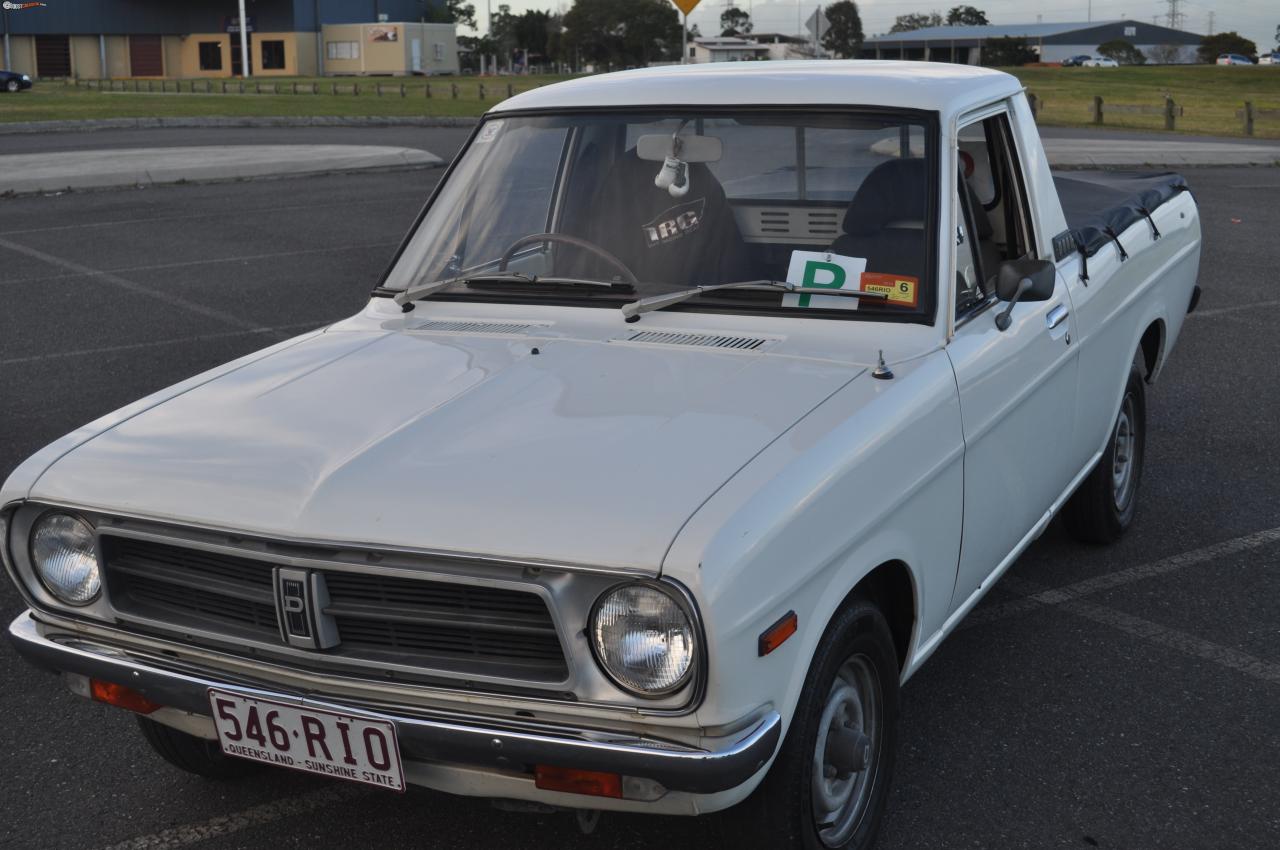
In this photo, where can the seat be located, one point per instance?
(885, 220)
(691, 240)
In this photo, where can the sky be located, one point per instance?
(1254, 19)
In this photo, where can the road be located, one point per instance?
(1137, 708)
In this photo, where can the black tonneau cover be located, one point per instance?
(1099, 205)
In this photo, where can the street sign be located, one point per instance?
(817, 24)
(231, 23)
(686, 6)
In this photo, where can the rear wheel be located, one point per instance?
(1104, 506)
(828, 786)
(192, 754)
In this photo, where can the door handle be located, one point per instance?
(1057, 316)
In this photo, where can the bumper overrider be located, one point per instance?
(478, 742)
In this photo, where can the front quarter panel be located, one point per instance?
(873, 475)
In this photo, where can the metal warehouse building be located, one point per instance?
(1054, 42)
(200, 38)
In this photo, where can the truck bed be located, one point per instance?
(1100, 205)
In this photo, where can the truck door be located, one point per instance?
(1017, 386)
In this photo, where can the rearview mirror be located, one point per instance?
(656, 147)
(1022, 280)
(1040, 273)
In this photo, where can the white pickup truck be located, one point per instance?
(699, 405)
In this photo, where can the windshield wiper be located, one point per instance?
(635, 309)
(421, 290)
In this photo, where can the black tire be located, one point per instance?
(192, 754)
(12, 86)
(780, 814)
(1098, 512)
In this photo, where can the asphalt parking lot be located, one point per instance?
(1126, 697)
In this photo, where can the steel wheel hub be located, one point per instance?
(844, 756)
(1122, 455)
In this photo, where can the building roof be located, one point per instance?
(1060, 33)
(933, 86)
(990, 31)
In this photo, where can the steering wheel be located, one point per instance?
(627, 274)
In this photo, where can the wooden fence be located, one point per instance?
(1170, 110)
(480, 90)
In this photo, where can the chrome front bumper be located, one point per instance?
(483, 742)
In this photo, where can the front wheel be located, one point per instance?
(1104, 506)
(828, 786)
(193, 754)
(11, 86)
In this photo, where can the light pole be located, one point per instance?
(244, 42)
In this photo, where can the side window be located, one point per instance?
(991, 203)
(969, 291)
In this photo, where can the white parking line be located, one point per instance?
(239, 212)
(1035, 595)
(111, 349)
(1223, 656)
(1222, 311)
(244, 258)
(132, 286)
(193, 833)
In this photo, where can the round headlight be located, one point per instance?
(63, 553)
(643, 639)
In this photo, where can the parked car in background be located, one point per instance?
(1076, 61)
(1269, 58)
(698, 407)
(12, 81)
(1100, 62)
(1234, 59)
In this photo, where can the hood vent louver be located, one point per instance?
(699, 340)
(476, 326)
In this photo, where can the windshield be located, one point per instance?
(678, 199)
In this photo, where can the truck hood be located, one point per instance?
(588, 452)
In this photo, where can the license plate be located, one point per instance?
(344, 746)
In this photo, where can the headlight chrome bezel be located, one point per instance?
(38, 569)
(684, 602)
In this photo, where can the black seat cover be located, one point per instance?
(689, 241)
(885, 219)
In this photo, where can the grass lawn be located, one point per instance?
(1210, 95)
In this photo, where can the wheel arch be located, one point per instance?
(1152, 347)
(892, 588)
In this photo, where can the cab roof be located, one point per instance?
(932, 86)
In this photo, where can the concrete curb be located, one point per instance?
(91, 125)
(23, 174)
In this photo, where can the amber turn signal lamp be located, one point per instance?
(121, 697)
(590, 782)
(776, 635)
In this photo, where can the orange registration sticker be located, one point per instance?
(902, 291)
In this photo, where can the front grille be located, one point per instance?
(463, 629)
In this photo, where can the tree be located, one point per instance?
(967, 16)
(1213, 46)
(622, 33)
(532, 32)
(844, 36)
(735, 21)
(452, 12)
(916, 21)
(1165, 54)
(1007, 52)
(1123, 52)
